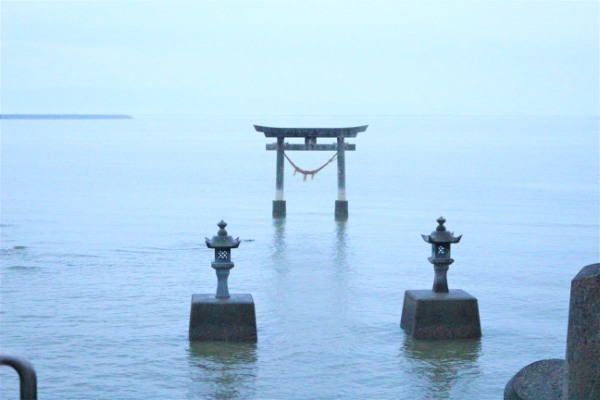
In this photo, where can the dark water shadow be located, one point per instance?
(438, 364)
(16, 250)
(222, 370)
(23, 268)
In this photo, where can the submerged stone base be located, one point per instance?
(429, 315)
(232, 319)
(278, 208)
(541, 380)
(341, 209)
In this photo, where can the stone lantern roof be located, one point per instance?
(441, 235)
(222, 239)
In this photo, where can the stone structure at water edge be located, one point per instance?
(223, 317)
(310, 136)
(440, 313)
(578, 376)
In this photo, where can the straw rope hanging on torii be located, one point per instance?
(310, 136)
(311, 172)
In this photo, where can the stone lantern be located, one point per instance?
(441, 240)
(222, 243)
(440, 313)
(224, 316)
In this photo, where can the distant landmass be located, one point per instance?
(65, 116)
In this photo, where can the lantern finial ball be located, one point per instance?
(222, 231)
(441, 227)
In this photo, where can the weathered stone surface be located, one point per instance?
(232, 319)
(577, 377)
(582, 377)
(429, 315)
(341, 209)
(279, 209)
(541, 380)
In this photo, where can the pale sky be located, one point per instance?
(300, 57)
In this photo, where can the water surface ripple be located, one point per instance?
(103, 226)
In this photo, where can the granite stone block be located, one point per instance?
(232, 319)
(429, 315)
(582, 377)
(578, 376)
(541, 380)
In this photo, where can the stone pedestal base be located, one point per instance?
(232, 319)
(341, 209)
(541, 380)
(278, 208)
(429, 315)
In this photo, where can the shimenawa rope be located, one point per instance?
(312, 172)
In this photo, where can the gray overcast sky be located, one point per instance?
(300, 57)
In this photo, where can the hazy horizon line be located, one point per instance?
(131, 115)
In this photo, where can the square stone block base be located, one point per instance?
(429, 315)
(232, 319)
(341, 209)
(278, 208)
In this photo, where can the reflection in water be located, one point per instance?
(341, 239)
(441, 362)
(340, 249)
(223, 370)
(279, 245)
(340, 274)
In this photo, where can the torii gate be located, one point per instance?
(310, 136)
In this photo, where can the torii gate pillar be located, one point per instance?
(310, 136)
(341, 204)
(279, 202)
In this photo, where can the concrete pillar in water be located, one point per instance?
(577, 377)
(341, 204)
(582, 375)
(279, 203)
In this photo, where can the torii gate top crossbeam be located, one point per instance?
(310, 132)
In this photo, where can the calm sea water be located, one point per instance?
(103, 224)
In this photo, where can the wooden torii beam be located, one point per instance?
(310, 136)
